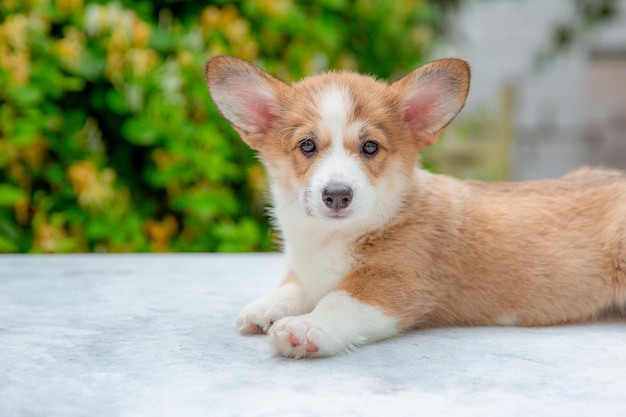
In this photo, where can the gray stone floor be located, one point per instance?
(154, 335)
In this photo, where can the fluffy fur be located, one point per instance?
(376, 246)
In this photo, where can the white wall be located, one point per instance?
(501, 40)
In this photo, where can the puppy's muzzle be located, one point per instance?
(337, 196)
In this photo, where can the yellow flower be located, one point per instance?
(119, 39)
(209, 19)
(161, 232)
(22, 212)
(92, 188)
(228, 15)
(162, 158)
(14, 52)
(50, 238)
(275, 8)
(18, 173)
(217, 48)
(15, 30)
(141, 61)
(237, 30)
(34, 153)
(71, 47)
(115, 60)
(19, 66)
(248, 50)
(185, 58)
(69, 6)
(140, 33)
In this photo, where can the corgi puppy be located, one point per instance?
(376, 246)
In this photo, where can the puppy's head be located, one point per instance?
(341, 147)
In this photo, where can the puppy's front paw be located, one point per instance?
(338, 324)
(305, 337)
(258, 316)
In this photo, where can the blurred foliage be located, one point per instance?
(108, 138)
(588, 14)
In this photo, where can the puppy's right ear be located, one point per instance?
(245, 95)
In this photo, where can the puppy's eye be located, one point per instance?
(307, 146)
(370, 148)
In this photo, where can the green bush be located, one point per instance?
(108, 138)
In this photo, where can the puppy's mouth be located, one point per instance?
(341, 215)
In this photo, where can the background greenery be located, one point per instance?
(108, 137)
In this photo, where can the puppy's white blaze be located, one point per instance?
(337, 164)
(334, 106)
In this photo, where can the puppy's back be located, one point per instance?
(529, 253)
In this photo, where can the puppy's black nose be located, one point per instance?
(337, 196)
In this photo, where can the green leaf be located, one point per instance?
(91, 65)
(116, 102)
(10, 195)
(25, 131)
(27, 95)
(140, 132)
(73, 84)
(7, 245)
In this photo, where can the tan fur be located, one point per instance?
(456, 253)
(295, 122)
(543, 252)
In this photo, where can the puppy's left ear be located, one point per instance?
(432, 95)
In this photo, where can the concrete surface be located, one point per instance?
(154, 335)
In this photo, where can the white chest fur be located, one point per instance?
(317, 254)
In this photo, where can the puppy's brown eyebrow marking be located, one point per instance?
(311, 134)
(367, 131)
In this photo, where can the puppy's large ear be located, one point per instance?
(245, 95)
(432, 95)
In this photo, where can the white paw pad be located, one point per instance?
(302, 337)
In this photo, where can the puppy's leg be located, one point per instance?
(287, 300)
(338, 323)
